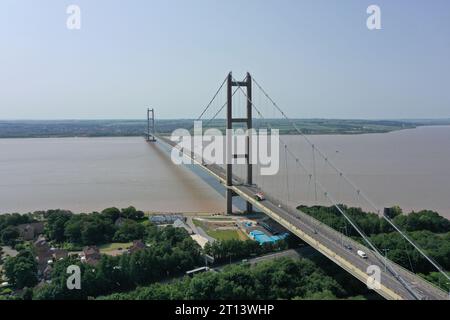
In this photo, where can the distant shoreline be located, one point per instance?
(134, 128)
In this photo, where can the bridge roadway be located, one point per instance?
(332, 244)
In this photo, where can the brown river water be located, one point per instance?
(86, 174)
(410, 168)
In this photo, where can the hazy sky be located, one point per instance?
(316, 58)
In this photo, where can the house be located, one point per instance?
(91, 255)
(137, 246)
(43, 253)
(59, 254)
(30, 231)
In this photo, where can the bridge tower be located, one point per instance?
(151, 125)
(247, 83)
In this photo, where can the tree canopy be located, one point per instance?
(94, 228)
(21, 270)
(278, 279)
(170, 252)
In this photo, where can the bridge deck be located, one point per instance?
(330, 242)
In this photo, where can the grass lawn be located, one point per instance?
(221, 234)
(105, 248)
(227, 234)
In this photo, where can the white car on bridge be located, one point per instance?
(362, 254)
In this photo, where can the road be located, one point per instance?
(395, 282)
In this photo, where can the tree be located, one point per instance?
(226, 250)
(97, 229)
(112, 213)
(9, 235)
(321, 295)
(72, 229)
(439, 279)
(14, 219)
(57, 289)
(423, 220)
(277, 279)
(401, 252)
(171, 252)
(130, 230)
(21, 270)
(132, 213)
(55, 227)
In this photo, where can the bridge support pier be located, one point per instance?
(229, 201)
(247, 83)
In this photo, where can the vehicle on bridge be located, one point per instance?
(362, 254)
(259, 196)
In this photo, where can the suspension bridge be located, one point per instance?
(282, 192)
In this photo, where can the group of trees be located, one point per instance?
(401, 252)
(21, 270)
(94, 228)
(224, 251)
(423, 220)
(9, 234)
(15, 219)
(372, 224)
(170, 252)
(278, 279)
(427, 228)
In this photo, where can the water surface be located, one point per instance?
(410, 168)
(85, 174)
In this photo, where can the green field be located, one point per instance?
(220, 234)
(227, 234)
